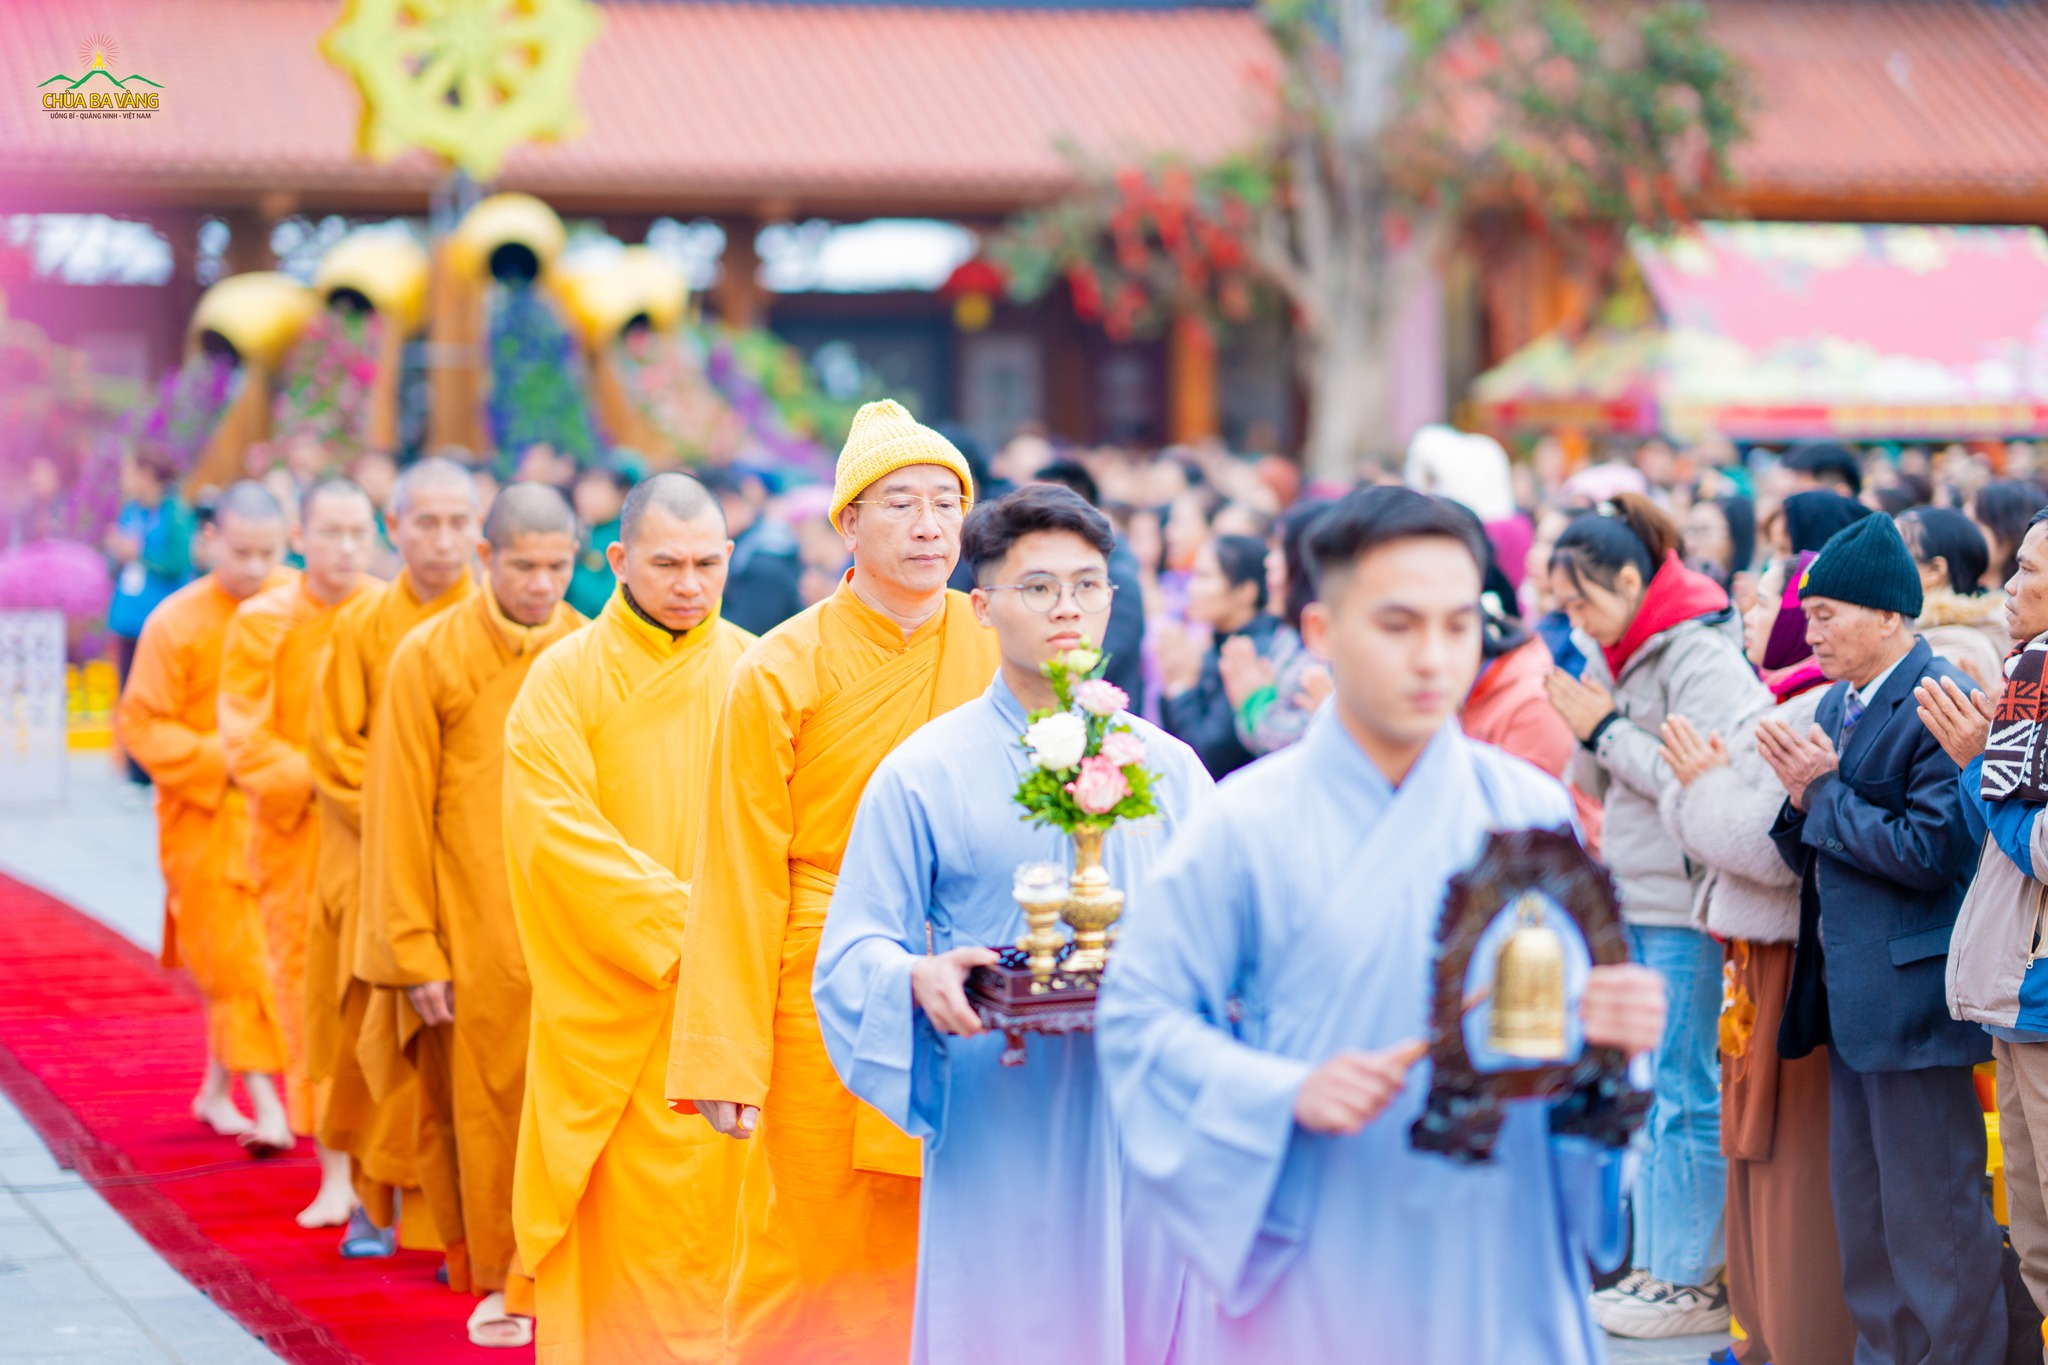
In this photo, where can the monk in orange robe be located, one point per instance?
(166, 720)
(267, 672)
(828, 1258)
(441, 917)
(624, 1209)
(432, 525)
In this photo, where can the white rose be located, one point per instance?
(1058, 742)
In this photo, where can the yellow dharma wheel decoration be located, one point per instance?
(469, 79)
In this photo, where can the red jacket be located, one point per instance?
(1509, 709)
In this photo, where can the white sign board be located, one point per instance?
(32, 705)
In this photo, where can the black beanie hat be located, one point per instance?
(1812, 518)
(1866, 563)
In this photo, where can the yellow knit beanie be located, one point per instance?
(886, 438)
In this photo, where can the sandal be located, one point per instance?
(365, 1241)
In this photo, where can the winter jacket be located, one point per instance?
(1694, 669)
(1203, 718)
(1884, 854)
(1970, 633)
(1723, 821)
(1993, 975)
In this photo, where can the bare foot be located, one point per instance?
(491, 1325)
(218, 1112)
(330, 1208)
(264, 1139)
(272, 1131)
(337, 1200)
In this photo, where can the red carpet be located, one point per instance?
(102, 1049)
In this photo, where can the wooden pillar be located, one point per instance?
(742, 302)
(455, 358)
(1191, 404)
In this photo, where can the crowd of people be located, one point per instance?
(596, 863)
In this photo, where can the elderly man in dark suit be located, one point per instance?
(1873, 824)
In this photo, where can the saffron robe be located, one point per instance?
(1294, 917)
(828, 1255)
(433, 812)
(212, 922)
(624, 1211)
(268, 667)
(378, 1136)
(1028, 1149)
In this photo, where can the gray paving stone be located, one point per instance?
(35, 1167)
(98, 1332)
(78, 1286)
(26, 1239)
(142, 1275)
(92, 1238)
(1670, 1351)
(33, 1284)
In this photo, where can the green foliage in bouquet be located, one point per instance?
(1087, 768)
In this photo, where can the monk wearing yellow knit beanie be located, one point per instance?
(884, 439)
(827, 1256)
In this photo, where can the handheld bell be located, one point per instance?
(1527, 1018)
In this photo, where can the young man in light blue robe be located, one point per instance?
(1260, 1025)
(1024, 1255)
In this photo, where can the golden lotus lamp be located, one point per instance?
(1527, 1019)
(1040, 890)
(1093, 905)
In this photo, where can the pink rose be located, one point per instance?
(1099, 787)
(1123, 748)
(1100, 697)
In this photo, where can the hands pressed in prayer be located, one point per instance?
(1353, 1088)
(733, 1120)
(1687, 755)
(1582, 704)
(1244, 669)
(1316, 687)
(1178, 652)
(1960, 725)
(1624, 1007)
(938, 983)
(1799, 761)
(434, 1002)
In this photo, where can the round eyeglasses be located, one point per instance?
(1041, 592)
(904, 508)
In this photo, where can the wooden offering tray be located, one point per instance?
(1006, 996)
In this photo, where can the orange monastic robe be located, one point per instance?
(267, 671)
(828, 1259)
(212, 922)
(624, 1210)
(433, 815)
(380, 1136)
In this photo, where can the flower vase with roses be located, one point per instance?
(1087, 773)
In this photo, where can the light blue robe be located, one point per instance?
(1303, 902)
(1022, 1250)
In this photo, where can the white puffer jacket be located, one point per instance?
(1723, 821)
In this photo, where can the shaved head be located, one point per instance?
(248, 501)
(678, 495)
(528, 509)
(433, 472)
(245, 539)
(332, 488)
(433, 525)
